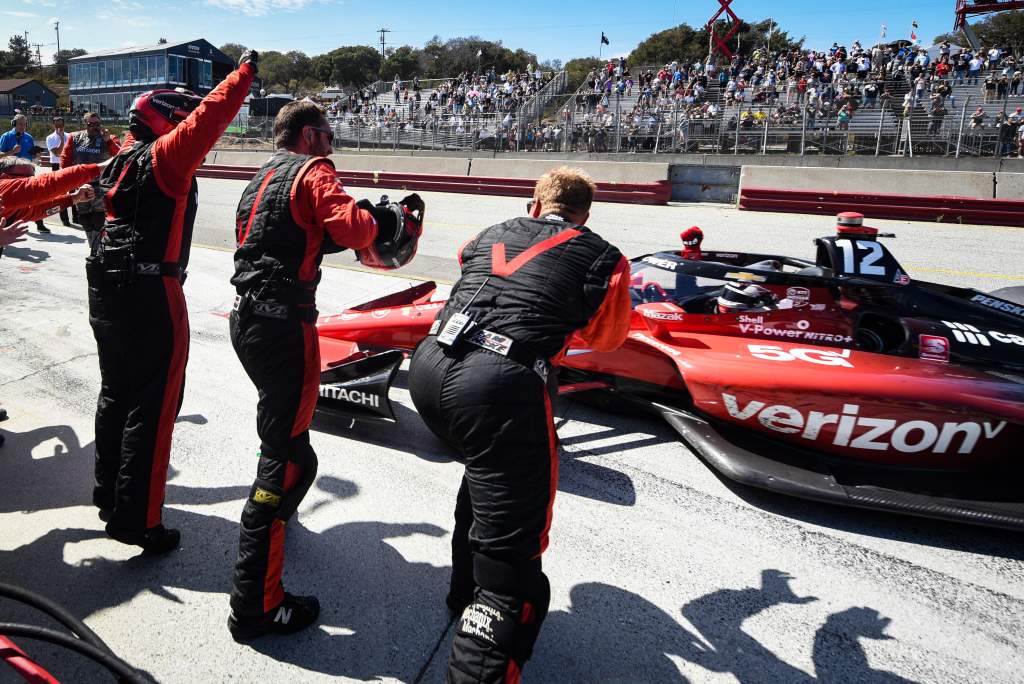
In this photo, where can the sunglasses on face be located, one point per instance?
(529, 206)
(328, 131)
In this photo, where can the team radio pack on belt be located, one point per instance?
(840, 379)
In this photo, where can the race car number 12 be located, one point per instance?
(866, 265)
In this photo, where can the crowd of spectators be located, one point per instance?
(827, 87)
(458, 105)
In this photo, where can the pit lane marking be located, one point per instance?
(354, 267)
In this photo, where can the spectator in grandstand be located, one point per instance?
(990, 88)
(978, 118)
(936, 115)
(974, 70)
(1020, 142)
(1002, 87)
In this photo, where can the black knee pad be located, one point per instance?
(302, 454)
(509, 607)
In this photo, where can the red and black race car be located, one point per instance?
(855, 384)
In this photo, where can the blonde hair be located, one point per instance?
(565, 189)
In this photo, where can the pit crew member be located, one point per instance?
(136, 304)
(93, 145)
(292, 213)
(483, 382)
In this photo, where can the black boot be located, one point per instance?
(157, 540)
(295, 613)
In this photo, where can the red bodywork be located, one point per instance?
(786, 374)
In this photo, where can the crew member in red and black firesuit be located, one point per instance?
(483, 382)
(136, 304)
(292, 213)
(27, 197)
(93, 145)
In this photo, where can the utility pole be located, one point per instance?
(39, 56)
(56, 27)
(383, 32)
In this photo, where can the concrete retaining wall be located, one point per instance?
(1010, 186)
(925, 183)
(610, 172)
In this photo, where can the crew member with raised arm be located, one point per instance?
(136, 304)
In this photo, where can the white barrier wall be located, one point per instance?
(958, 183)
(610, 172)
(1010, 186)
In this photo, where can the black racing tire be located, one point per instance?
(1013, 294)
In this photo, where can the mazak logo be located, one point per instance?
(352, 396)
(999, 305)
(663, 315)
(863, 432)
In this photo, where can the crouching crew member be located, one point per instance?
(483, 382)
(292, 213)
(136, 304)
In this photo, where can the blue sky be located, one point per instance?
(550, 29)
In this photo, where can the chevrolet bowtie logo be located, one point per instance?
(745, 276)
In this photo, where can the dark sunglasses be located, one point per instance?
(328, 131)
(529, 206)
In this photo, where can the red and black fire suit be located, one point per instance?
(79, 148)
(36, 197)
(530, 282)
(137, 307)
(289, 215)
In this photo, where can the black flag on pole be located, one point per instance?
(604, 39)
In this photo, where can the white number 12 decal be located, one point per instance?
(867, 264)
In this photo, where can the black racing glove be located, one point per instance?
(413, 203)
(250, 57)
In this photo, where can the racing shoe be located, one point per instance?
(156, 540)
(295, 613)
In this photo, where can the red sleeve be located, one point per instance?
(321, 200)
(25, 192)
(113, 146)
(608, 329)
(67, 155)
(37, 212)
(177, 155)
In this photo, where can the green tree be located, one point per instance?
(687, 44)
(578, 69)
(1005, 29)
(350, 65)
(20, 52)
(403, 61)
(233, 50)
(60, 60)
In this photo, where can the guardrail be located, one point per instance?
(942, 209)
(657, 192)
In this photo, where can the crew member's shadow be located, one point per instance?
(375, 603)
(411, 435)
(838, 655)
(37, 479)
(382, 615)
(32, 256)
(61, 238)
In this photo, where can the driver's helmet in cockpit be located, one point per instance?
(740, 298)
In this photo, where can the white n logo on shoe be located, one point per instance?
(284, 615)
